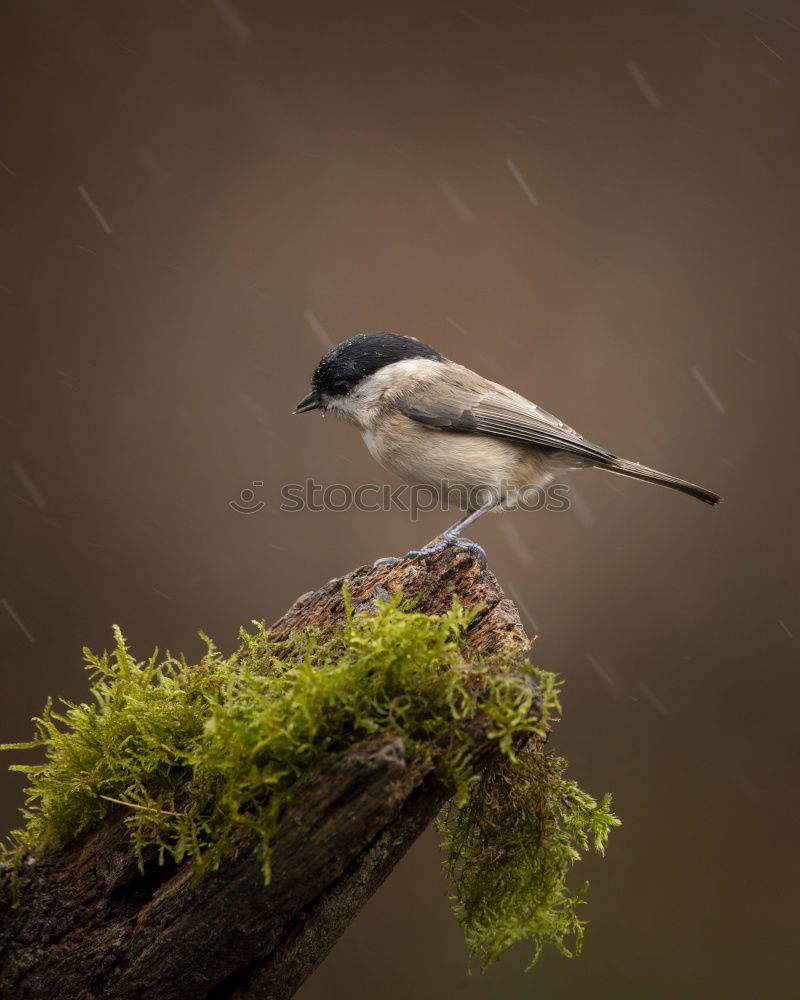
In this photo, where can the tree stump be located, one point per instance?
(91, 925)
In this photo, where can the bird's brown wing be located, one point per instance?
(497, 414)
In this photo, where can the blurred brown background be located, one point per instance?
(197, 195)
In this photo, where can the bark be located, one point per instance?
(90, 925)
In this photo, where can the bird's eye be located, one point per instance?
(340, 388)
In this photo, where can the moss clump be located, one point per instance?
(510, 848)
(202, 753)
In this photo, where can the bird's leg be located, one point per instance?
(451, 536)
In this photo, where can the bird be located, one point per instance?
(437, 424)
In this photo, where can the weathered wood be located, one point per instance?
(91, 926)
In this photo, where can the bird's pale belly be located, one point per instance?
(460, 468)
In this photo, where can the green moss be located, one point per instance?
(510, 848)
(199, 754)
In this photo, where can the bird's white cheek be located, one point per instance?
(347, 409)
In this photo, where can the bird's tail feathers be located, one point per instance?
(633, 470)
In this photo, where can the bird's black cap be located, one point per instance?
(355, 359)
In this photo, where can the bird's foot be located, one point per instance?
(477, 553)
(437, 546)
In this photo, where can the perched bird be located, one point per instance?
(437, 424)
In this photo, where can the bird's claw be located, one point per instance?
(385, 561)
(428, 550)
(477, 553)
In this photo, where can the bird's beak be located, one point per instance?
(309, 402)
